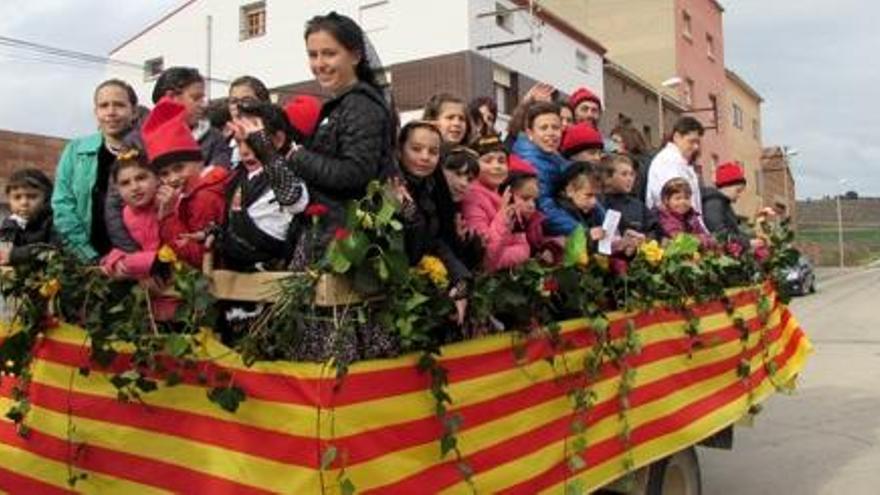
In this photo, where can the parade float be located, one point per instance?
(570, 376)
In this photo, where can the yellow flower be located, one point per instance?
(166, 254)
(603, 262)
(50, 288)
(10, 363)
(652, 252)
(583, 260)
(434, 269)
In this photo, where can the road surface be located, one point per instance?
(824, 440)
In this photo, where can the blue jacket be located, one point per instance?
(549, 166)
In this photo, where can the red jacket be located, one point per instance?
(201, 205)
(504, 248)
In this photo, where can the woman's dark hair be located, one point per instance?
(476, 115)
(434, 107)
(537, 109)
(633, 140)
(127, 158)
(687, 125)
(410, 127)
(347, 32)
(119, 83)
(461, 159)
(217, 113)
(175, 79)
(259, 89)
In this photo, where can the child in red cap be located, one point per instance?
(583, 143)
(190, 199)
(500, 205)
(718, 213)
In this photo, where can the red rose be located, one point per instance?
(551, 285)
(619, 266)
(734, 249)
(49, 322)
(316, 210)
(341, 234)
(762, 253)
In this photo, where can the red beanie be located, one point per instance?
(581, 95)
(303, 112)
(167, 137)
(580, 137)
(729, 174)
(520, 167)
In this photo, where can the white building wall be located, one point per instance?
(550, 59)
(414, 29)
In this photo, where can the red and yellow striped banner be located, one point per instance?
(516, 414)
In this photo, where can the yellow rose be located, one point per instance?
(583, 260)
(50, 288)
(10, 363)
(652, 252)
(166, 254)
(434, 269)
(603, 262)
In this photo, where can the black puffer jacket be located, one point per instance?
(352, 146)
(634, 215)
(36, 236)
(720, 219)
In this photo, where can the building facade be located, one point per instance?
(744, 119)
(629, 98)
(20, 150)
(469, 48)
(660, 40)
(776, 186)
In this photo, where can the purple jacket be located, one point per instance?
(673, 224)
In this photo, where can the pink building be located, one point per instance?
(660, 40)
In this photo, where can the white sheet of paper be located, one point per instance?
(612, 220)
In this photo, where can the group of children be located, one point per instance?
(477, 202)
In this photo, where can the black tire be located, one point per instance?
(678, 474)
(813, 286)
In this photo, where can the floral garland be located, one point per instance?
(369, 252)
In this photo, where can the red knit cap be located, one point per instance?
(518, 166)
(729, 174)
(581, 95)
(303, 112)
(167, 137)
(580, 137)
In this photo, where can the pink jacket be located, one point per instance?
(143, 225)
(504, 248)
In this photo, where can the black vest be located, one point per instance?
(243, 244)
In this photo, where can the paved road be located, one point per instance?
(825, 440)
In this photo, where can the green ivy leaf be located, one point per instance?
(575, 247)
(228, 398)
(576, 463)
(347, 487)
(177, 345)
(328, 457)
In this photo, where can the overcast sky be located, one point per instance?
(814, 61)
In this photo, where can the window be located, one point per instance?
(713, 104)
(503, 18)
(756, 130)
(582, 61)
(153, 67)
(374, 16)
(737, 116)
(503, 94)
(646, 130)
(647, 99)
(689, 92)
(710, 46)
(253, 21)
(686, 25)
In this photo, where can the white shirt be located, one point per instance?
(667, 165)
(269, 216)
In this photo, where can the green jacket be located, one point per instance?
(72, 197)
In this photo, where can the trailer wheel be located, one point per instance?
(678, 474)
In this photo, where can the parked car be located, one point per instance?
(800, 279)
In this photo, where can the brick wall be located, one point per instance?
(20, 150)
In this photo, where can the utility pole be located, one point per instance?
(209, 32)
(840, 231)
